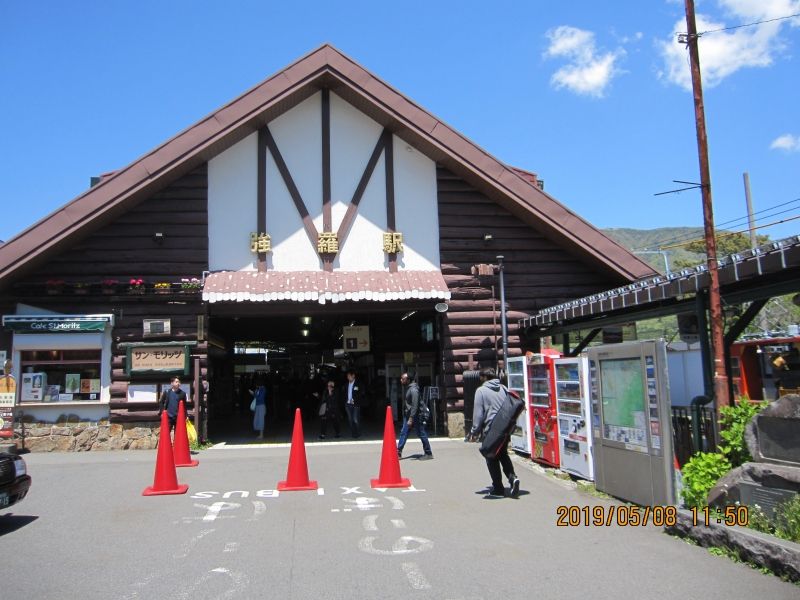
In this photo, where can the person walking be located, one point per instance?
(488, 399)
(354, 398)
(416, 415)
(329, 409)
(170, 401)
(260, 413)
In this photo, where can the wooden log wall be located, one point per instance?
(538, 273)
(125, 249)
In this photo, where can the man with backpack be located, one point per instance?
(489, 399)
(416, 414)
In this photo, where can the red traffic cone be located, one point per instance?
(165, 480)
(297, 473)
(181, 448)
(389, 476)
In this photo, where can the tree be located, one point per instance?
(727, 243)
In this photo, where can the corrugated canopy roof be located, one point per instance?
(322, 287)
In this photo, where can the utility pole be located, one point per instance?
(721, 394)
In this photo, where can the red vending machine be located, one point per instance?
(543, 411)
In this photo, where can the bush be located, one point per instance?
(700, 474)
(787, 519)
(785, 524)
(733, 420)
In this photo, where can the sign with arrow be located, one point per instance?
(356, 338)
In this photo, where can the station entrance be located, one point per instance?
(294, 354)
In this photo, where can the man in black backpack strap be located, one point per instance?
(170, 400)
(416, 414)
(488, 398)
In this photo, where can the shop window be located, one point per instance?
(59, 376)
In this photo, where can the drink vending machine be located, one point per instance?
(518, 382)
(543, 408)
(573, 398)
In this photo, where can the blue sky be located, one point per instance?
(592, 96)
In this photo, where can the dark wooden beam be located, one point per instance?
(310, 228)
(350, 214)
(261, 218)
(327, 220)
(326, 160)
(388, 161)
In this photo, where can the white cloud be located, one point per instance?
(786, 142)
(589, 72)
(723, 53)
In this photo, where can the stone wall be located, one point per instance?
(85, 436)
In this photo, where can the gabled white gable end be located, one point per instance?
(232, 195)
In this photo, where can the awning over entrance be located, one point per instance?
(322, 287)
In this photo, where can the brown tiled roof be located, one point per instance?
(322, 287)
(324, 67)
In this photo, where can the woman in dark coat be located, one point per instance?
(329, 409)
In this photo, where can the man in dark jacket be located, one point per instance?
(488, 398)
(416, 414)
(170, 400)
(354, 395)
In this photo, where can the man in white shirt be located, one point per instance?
(354, 398)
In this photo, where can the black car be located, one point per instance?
(14, 479)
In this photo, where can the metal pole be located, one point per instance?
(721, 395)
(750, 221)
(762, 315)
(503, 324)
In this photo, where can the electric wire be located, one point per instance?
(690, 237)
(749, 24)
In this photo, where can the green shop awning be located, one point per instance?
(56, 323)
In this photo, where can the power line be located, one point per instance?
(690, 236)
(748, 24)
(729, 233)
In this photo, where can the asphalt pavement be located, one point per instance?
(85, 531)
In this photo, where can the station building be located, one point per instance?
(320, 221)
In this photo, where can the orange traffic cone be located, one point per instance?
(165, 480)
(389, 476)
(181, 449)
(297, 473)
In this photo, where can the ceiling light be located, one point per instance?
(305, 320)
(408, 314)
(304, 332)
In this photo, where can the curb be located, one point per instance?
(782, 557)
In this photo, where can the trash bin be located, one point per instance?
(470, 381)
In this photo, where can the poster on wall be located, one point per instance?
(51, 393)
(72, 383)
(8, 393)
(33, 386)
(142, 393)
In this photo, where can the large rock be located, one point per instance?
(773, 435)
(756, 483)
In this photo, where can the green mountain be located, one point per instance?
(654, 245)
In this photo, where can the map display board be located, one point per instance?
(623, 401)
